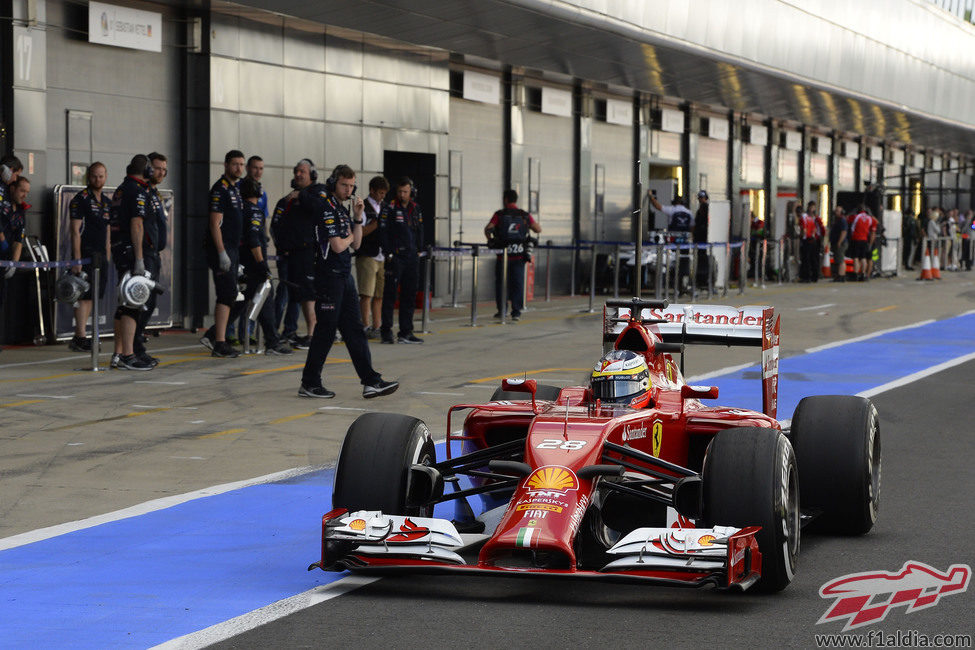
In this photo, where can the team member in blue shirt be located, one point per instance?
(336, 299)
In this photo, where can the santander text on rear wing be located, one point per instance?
(688, 324)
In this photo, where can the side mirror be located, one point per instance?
(699, 392)
(529, 386)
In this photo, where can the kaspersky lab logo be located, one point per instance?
(867, 598)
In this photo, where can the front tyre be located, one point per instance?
(373, 470)
(837, 443)
(750, 479)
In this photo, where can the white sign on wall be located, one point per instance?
(619, 112)
(124, 27)
(759, 134)
(718, 128)
(482, 87)
(671, 121)
(556, 101)
(793, 140)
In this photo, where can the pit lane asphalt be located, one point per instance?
(76, 445)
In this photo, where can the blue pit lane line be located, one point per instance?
(147, 579)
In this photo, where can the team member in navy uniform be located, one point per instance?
(12, 224)
(509, 226)
(89, 213)
(222, 244)
(10, 168)
(336, 302)
(134, 232)
(253, 255)
(293, 233)
(400, 234)
(156, 218)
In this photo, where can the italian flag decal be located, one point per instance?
(525, 536)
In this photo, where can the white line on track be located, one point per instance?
(857, 339)
(46, 396)
(264, 615)
(829, 304)
(76, 357)
(149, 506)
(430, 392)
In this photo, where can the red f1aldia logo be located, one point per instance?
(916, 586)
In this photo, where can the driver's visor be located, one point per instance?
(610, 388)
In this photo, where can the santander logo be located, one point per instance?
(867, 598)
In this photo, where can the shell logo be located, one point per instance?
(706, 540)
(357, 524)
(552, 478)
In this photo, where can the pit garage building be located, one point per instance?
(575, 103)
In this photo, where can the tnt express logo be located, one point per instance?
(867, 598)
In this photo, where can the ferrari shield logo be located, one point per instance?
(657, 436)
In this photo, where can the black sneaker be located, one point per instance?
(515, 315)
(279, 348)
(387, 337)
(497, 314)
(302, 342)
(132, 362)
(79, 344)
(115, 361)
(145, 358)
(409, 338)
(318, 391)
(224, 350)
(208, 341)
(379, 388)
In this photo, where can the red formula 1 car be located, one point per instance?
(631, 478)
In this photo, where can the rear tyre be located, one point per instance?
(750, 479)
(373, 467)
(837, 444)
(542, 392)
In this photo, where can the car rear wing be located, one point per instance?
(689, 324)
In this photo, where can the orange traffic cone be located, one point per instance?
(926, 266)
(827, 259)
(935, 266)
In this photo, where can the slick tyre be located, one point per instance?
(750, 479)
(542, 392)
(373, 467)
(837, 444)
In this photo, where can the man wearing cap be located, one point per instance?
(700, 232)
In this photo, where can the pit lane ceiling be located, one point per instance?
(777, 58)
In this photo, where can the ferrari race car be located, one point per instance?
(631, 478)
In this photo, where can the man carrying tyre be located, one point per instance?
(336, 299)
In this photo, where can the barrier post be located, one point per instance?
(693, 267)
(659, 280)
(616, 274)
(727, 268)
(548, 271)
(592, 279)
(455, 261)
(572, 268)
(743, 266)
(710, 252)
(474, 286)
(504, 285)
(426, 291)
(95, 330)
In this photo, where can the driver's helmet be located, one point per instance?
(621, 377)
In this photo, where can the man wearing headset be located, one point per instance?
(134, 233)
(337, 305)
(222, 245)
(401, 235)
(293, 235)
(89, 211)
